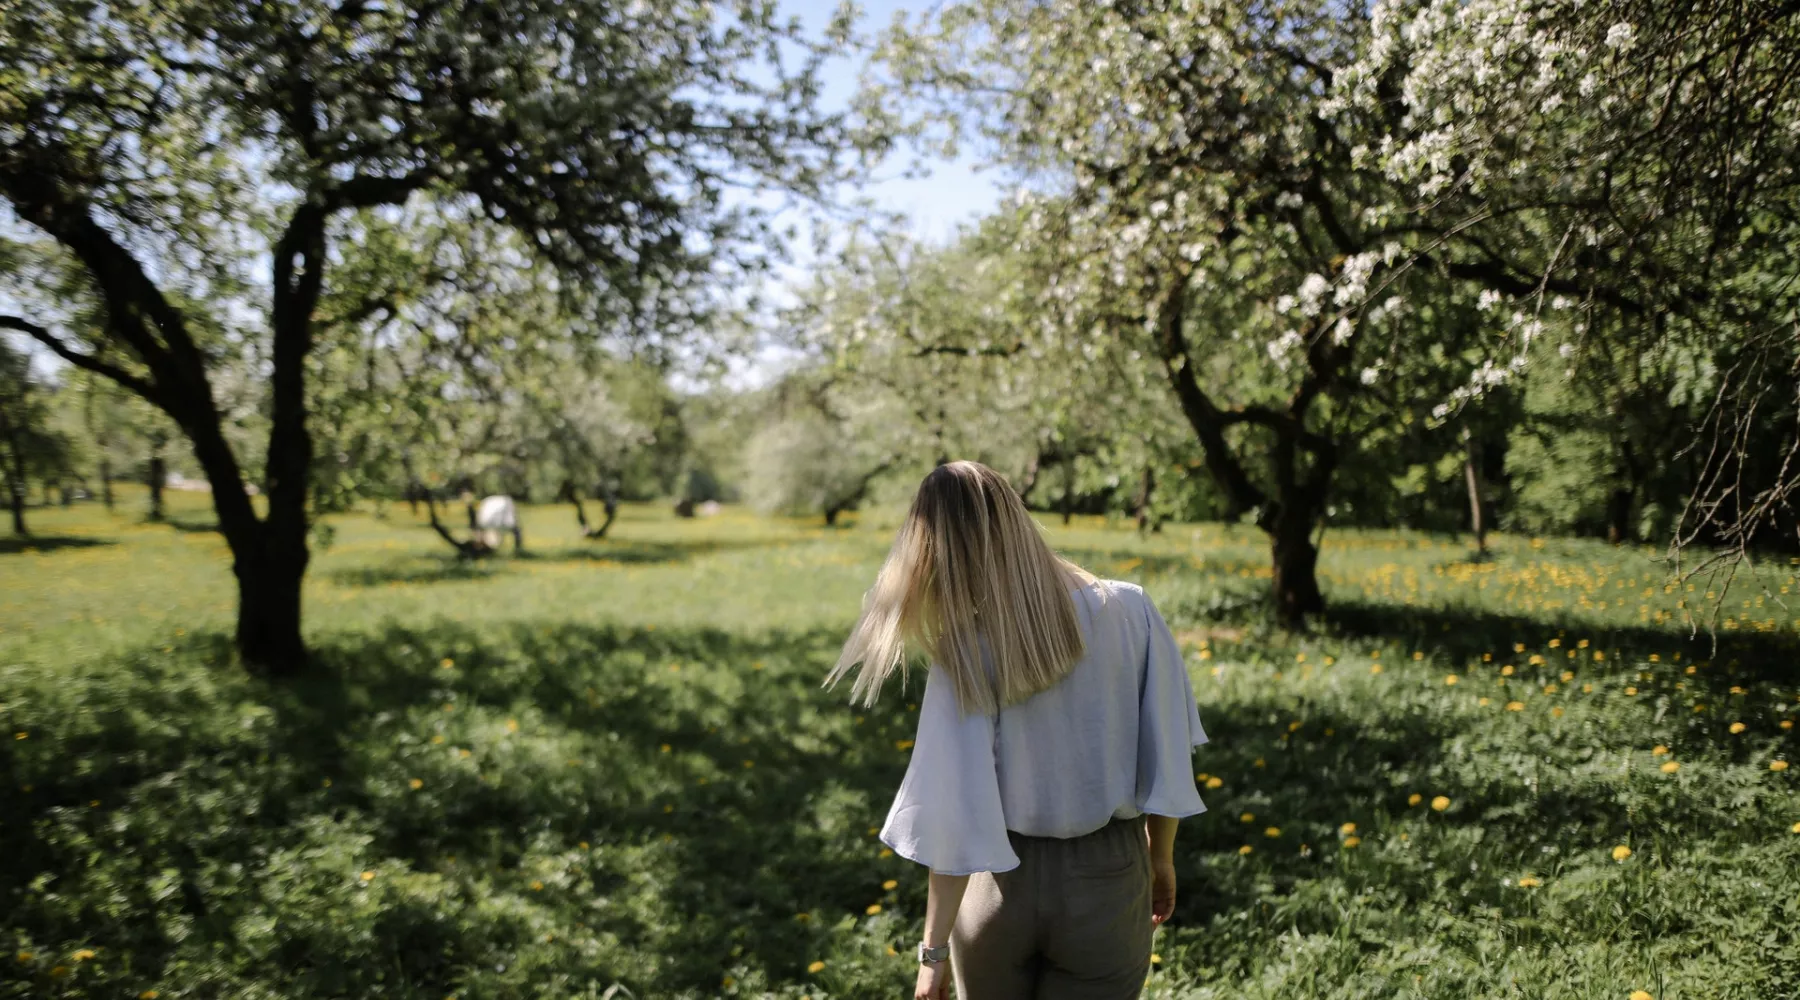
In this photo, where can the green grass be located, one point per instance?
(611, 763)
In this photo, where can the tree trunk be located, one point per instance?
(1029, 480)
(474, 548)
(268, 621)
(831, 516)
(1068, 497)
(612, 511)
(106, 483)
(15, 490)
(159, 473)
(1619, 529)
(1296, 561)
(1473, 477)
(1142, 502)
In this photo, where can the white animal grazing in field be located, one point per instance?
(494, 515)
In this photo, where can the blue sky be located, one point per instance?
(954, 192)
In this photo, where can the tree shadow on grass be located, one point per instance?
(15, 545)
(444, 567)
(1462, 634)
(246, 800)
(191, 525)
(719, 794)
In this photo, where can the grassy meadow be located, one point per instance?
(607, 769)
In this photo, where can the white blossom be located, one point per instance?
(1312, 290)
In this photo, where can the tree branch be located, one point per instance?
(87, 362)
(1203, 415)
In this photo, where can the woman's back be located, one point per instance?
(1111, 740)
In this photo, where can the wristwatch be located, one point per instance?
(932, 956)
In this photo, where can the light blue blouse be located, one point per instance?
(1111, 740)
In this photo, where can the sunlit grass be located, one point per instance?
(610, 762)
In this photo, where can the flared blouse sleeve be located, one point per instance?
(1168, 727)
(947, 814)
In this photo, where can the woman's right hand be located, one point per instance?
(1162, 890)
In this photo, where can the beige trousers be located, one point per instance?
(1072, 922)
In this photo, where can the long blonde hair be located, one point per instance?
(968, 569)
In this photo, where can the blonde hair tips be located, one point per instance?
(971, 584)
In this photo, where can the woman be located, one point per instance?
(1053, 756)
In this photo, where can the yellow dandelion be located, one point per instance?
(1451, 680)
(21, 736)
(1518, 647)
(1414, 799)
(368, 876)
(903, 744)
(59, 971)
(1557, 712)
(537, 886)
(416, 784)
(1259, 762)
(815, 967)
(1273, 831)
(1787, 723)
(1621, 852)
(148, 995)
(1515, 706)
(1347, 828)
(1155, 959)
(1795, 828)
(1587, 689)
(873, 909)
(1734, 688)
(666, 748)
(1418, 655)
(512, 725)
(1583, 644)
(1599, 657)
(1294, 725)
(1529, 883)
(1247, 818)
(1640, 995)
(1246, 849)
(1778, 765)
(1483, 702)
(1737, 727)
(25, 956)
(1631, 692)
(1215, 782)
(1507, 670)
(446, 663)
(1352, 841)
(727, 981)
(1670, 767)
(885, 853)
(1440, 803)
(889, 884)
(1567, 676)
(1658, 750)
